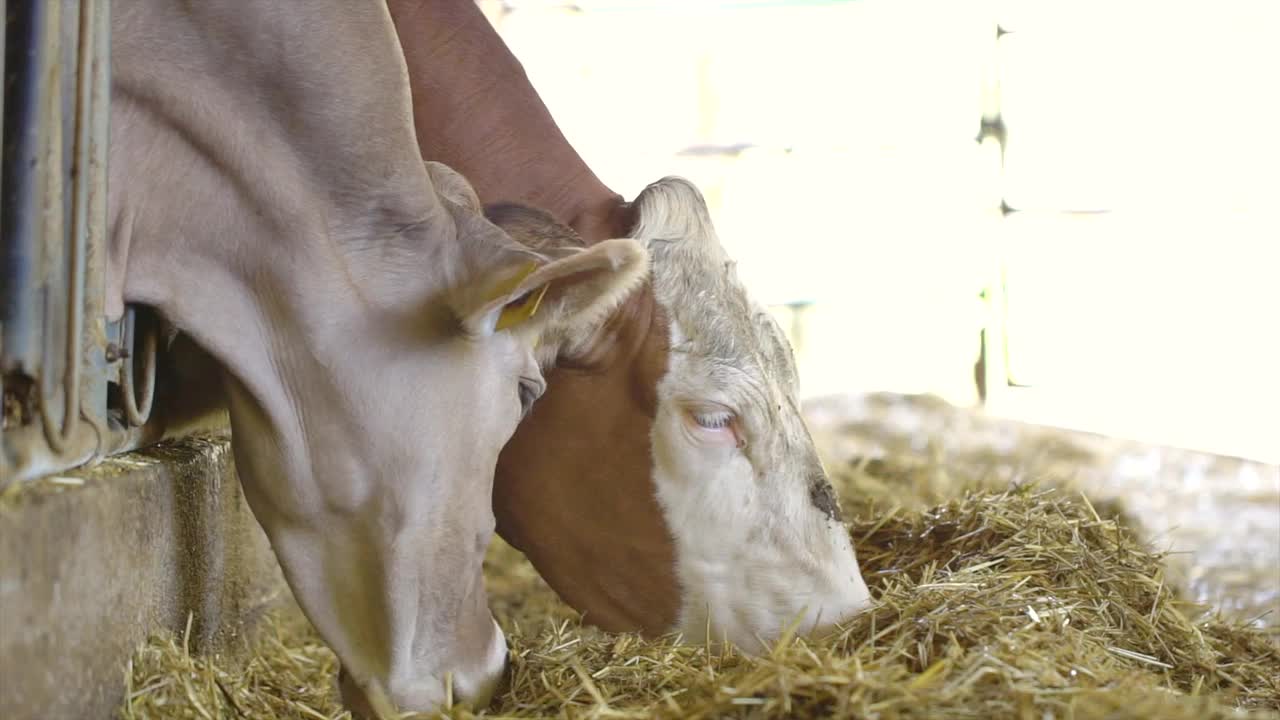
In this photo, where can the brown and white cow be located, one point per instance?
(666, 480)
(266, 196)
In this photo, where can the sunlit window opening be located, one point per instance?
(1129, 286)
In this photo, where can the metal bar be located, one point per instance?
(36, 460)
(26, 55)
(991, 372)
(79, 176)
(96, 372)
(53, 335)
(4, 32)
(52, 243)
(4, 83)
(137, 410)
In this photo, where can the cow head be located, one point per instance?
(366, 432)
(666, 481)
(503, 304)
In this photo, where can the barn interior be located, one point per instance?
(1025, 255)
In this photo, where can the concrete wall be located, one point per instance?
(93, 561)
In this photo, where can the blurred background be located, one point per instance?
(1082, 194)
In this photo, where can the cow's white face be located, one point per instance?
(759, 541)
(745, 537)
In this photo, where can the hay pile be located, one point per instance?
(1012, 602)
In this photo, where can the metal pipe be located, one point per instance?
(74, 310)
(27, 28)
(96, 373)
(137, 410)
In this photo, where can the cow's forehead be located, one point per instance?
(720, 326)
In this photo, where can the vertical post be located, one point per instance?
(64, 233)
(4, 31)
(4, 82)
(91, 181)
(25, 126)
(991, 370)
(53, 223)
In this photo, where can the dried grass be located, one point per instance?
(1011, 602)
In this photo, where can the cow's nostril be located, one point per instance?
(823, 497)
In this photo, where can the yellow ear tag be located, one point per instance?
(514, 314)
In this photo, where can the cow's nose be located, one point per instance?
(474, 681)
(479, 687)
(851, 599)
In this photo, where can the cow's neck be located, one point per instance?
(473, 104)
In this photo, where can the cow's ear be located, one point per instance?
(504, 295)
(584, 288)
(450, 185)
(578, 290)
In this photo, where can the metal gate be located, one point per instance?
(74, 386)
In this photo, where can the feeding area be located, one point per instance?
(1006, 269)
(992, 599)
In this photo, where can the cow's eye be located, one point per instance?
(713, 420)
(530, 390)
(714, 424)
